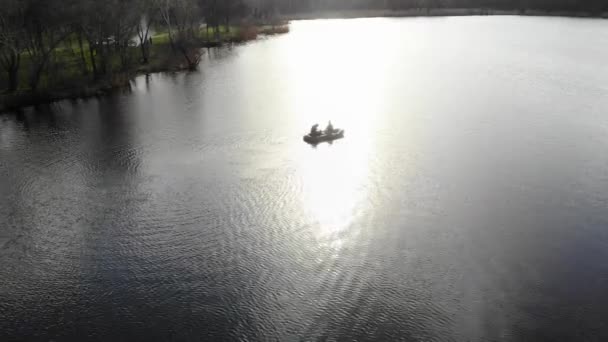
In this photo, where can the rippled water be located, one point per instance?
(468, 201)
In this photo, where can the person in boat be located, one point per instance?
(330, 128)
(314, 130)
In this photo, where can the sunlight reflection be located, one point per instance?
(334, 183)
(327, 80)
(329, 84)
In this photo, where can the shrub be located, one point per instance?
(246, 33)
(276, 30)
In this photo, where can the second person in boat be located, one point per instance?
(330, 128)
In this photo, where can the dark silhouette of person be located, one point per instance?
(330, 128)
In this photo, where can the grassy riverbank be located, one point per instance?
(67, 76)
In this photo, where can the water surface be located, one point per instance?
(467, 202)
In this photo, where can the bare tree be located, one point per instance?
(125, 19)
(182, 20)
(165, 9)
(149, 15)
(11, 35)
(44, 31)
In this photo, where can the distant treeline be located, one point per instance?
(574, 6)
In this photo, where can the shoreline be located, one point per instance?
(21, 99)
(436, 12)
(10, 102)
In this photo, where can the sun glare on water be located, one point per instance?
(329, 85)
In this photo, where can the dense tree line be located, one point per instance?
(103, 33)
(287, 6)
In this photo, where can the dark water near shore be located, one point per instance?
(468, 202)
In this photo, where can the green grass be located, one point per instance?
(160, 38)
(65, 68)
(224, 35)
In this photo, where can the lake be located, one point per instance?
(467, 202)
